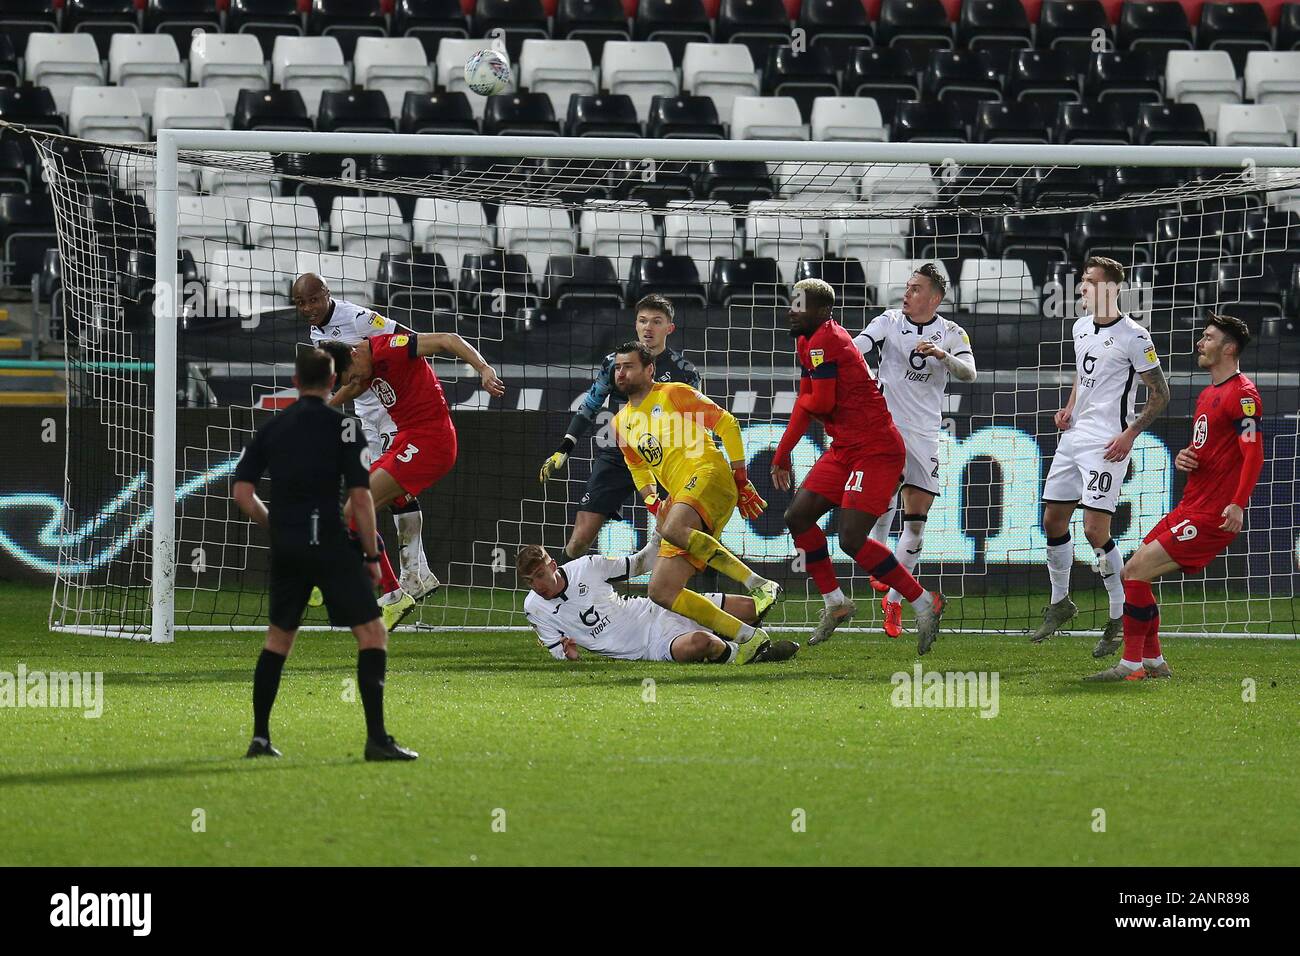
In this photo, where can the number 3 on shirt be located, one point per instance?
(408, 453)
(1184, 530)
(855, 481)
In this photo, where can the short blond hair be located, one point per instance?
(816, 292)
(530, 558)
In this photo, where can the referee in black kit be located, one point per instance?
(313, 453)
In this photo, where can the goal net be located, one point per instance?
(535, 249)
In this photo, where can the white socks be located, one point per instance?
(1109, 564)
(908, 552)
(922, 603)
(410, 537)
(1060, 557)
(880, 531)
(835, 598)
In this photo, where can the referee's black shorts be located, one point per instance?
(339, 573)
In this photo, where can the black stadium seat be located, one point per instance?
(962, 79)
(1267, 230)
(1156, 26)
(673, 276)
(948, 237)
(1093, 121)
(264, 19)
(490, 280)
(390, 166)
(684, 117)
(520, 114)
(803, 75)
(26, 231)
(429, 21)
(21, 18)
(1175, 124)
(31, 106)
(82, 164)
(747, 282)
(413, 284)
(1237, 28)
(604, 114)
(271, 109)
(594, 22)
(999, 27)
(1130, 75)
(325, 166)
(1121, 181)
(346, 20)
(1126, 235)
(438, 113)
(735, 181)
(918, 26)
(758, 24)
(1288, 27)
(928, 121)
(9, 75)
(588, 281)
(1010, 123)
(1255, 294)
(1039, 240)
(674, 22)
(1060, 186)
(15, 174)
(101, 19)
(1072, 23)
(519, 19)
(179, 19)
(886, 75)
(1042, 77)
(836, 26)
(845, 276)
(354, 111)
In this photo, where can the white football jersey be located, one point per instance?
(590, 612)
(913, 384)
(1108, 359)
(350, 323)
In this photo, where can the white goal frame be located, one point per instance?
(170, 142)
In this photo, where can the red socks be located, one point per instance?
(818, 558)
(388, 582)
(1141, 622)
(876, 560)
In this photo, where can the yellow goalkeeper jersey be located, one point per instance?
(667, 437)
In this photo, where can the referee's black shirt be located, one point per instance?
(313, 453)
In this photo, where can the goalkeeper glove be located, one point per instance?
(751, 504)
(653, 503)
(553, 465)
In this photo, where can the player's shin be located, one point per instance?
(707, 614)
(817, 558)
(372, 663)
(1109, 564)
(1060, 557)
(1140, 613)
(875, 559)
(704, 547)
(908, 551)
(880, 530)
(410, 536)
(266, 684)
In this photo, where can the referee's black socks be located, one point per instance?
(372, 662)
(266, 683)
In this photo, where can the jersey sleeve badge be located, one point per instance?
(376, 320)
(817, 356)
(1150, 354)
(400, 340)
(1248, 407)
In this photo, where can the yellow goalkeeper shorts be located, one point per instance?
(711, 491)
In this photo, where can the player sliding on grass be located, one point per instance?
(859, 473)
(1222, 465)
(920, 351)
(574, 605)
(666, 432)
(396, 369)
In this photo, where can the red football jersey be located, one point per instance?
(1223, 413)
(406, 384)
(860, 416)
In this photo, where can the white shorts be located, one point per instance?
(922, 467)
(380, 431)
(1081, 474)
(666, 627)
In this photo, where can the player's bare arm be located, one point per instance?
(1064, 416)
(1157, 401)
(449, 343)
(961, 367)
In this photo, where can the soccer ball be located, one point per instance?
(487, 72)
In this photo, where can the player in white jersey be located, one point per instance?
(920, 352)
(1098, 427)
(336, 320)
(574, 605)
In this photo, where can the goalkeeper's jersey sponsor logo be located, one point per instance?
(650, 450)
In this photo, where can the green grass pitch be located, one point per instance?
(528, 761)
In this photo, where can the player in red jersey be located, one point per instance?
(860, 472)
(394, 366)
(1223, 464)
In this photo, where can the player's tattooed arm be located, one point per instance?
(1157, 399)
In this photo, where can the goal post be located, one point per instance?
(984, 543)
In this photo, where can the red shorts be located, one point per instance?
(1192, 538)
(864, 479)
(418, 459)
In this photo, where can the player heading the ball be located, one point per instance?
(666, 433)
(859, 473)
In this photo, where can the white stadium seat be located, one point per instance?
(205, 224)
(721, 71)
(899, 186)
(190, 108)
(997, 285)
(61, 61)
(537, 232)
(1204, 77)
(246, 281)
(822, 179)
(228, 63)
(618, 231)
(774, 230)
(767, 117)
(1242, 125)
(869, 238)
(848, 118)
(450, 62)
(138, 173)
(348, 276)
(108, 113)
(558, 68)
(310, 65)
(240, 183)
(146, 62)
(453, 228)
(367, 227)
(641, 70)
(1274, 79)
(703, 230)
(393, 65)
(890, 277)
(284, 221)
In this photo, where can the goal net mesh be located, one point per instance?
(537, 263)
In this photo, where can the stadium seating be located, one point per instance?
(886, 75)
(61, 61)
(265, 21)
(1156, 27)
(535, 233)
(354, 111)
(520, 114)
(773, 229)
(767, 117)
(918, 26)
(32, 106)
(450, 67)
(594, 22)
(702, 231)
(868, 239)
(618, 231)
(760, 25)
(1206, 78)
(1274, 79)
(347, 21)
(640, 70)
(494, 286)
(182, 20)
(410, 287)
(719, 71)
(430, 21)
(804, 75)
(21, 18)
(602, 115)
(962, 78)
(1002, 286)
(847, 118)
(26, 231)
(1130, 75)
(747, 282)
(229, 64)
(15, 175)
(890, 276)
(310, 65)
(845, 276)
(736, 182)
(1252, 125)
(675, 23)
(1164, 124)
(146, 63)
(348, 277)
(271, 109)
(452, 228)
(100, 20)
(291, 222)
(589, 281)
(190, 108)
(1288, 27)
(369, 227)
(107, 113)
(438, 113)
(1020, 122)
(558, 68)
(927, 121)
(998, 27)
(1100, 122)
(836, 26)
(673, 276)
(396, 66)
(1041, 77)
(1237, 28)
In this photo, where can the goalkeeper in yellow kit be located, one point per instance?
(666, 434)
